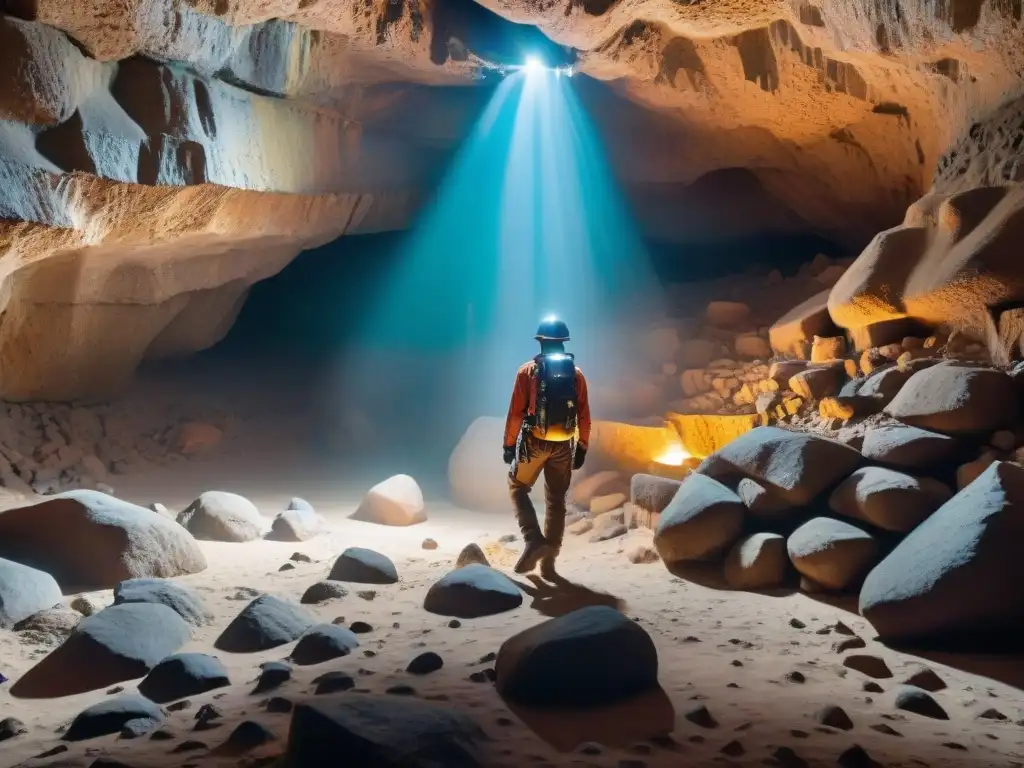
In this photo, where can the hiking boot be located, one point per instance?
(547, 568)
(532, 554)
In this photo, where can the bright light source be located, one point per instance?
(672, 456)
(533, 64)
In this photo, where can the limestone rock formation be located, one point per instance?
(146, 144)
(758, 561)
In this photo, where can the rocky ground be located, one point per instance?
(784, 679)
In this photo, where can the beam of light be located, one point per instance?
(528, 222)
(533, 65)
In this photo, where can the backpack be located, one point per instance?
(556, 391)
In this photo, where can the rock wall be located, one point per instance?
(157, 158)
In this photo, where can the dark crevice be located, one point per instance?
(22, 9)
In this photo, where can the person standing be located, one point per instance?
(547, 431)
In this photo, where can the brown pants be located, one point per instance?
(555, 460)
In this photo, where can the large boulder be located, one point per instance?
(831, 553)
(757, 561)
(761, 502)
(371, 730)
(473, 591)
(395, 501)
(700, 522)
(477, 476)
(89, 540)
(122, 642)
(363, 566)
(111, 716)
(222, 516)
(900, 445)
(957, 400)
(24, 591)
(652, 493)
(265, 623)
(591, 657)
(183, 674)
(323, 642)
(179, 599)
(947, 580)
(795, 466)
(793, 333)
(888, 499)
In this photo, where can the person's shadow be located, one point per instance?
(558, 596)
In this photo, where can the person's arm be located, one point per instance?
(517, 408)
(583, 409)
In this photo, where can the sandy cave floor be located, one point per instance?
(737, 666)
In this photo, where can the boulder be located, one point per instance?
(590, 657)
(700, 523)
(598, 484)
(472, 591)
(395, 501)
(222, 516)
(757, 561)
(761, 502)
(122, 642)
(792, 334)
(816, 382)
(652, 493)
(795, 466)
(888, 499)
(298, 522)
(24, 591)
(363, 566)
(899, 445)
(604, 504)
(946, 581)
(832, 553)
(883, 385)
(324, 642)
(87, 539)
(323, 591)
(371, 730)
(48, 627)
(266, 622)
(957, 400)
(183, 674)
(179, 599)
(111, 716)
(477, 476)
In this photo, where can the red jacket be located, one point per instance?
(524, 403)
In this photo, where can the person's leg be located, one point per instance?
(521, 479)
(557, 476)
